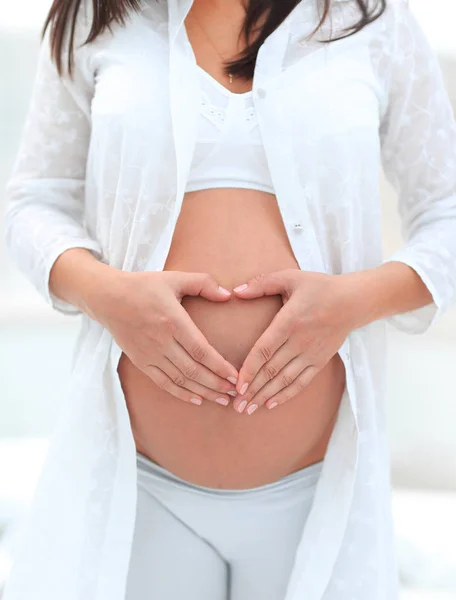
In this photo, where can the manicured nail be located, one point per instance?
(273, 404)
(224, 290)
(244, 388)
(232, 379)
(240, 288)
(252, 408)
(223, 401)
(232, 393)
(242, 405)
(196, 400)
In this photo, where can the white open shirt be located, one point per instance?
(103, 165)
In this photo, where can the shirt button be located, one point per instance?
(261, 93)
(298, 226)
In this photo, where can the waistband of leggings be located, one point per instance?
(306, 477)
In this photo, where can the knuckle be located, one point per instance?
(286, 379)
(264, 352)
(163, 382)
(179, 379)
(166, 323)
(191, 371)
(198, 353)
(258, 278)
(170, 326)
(270, 370)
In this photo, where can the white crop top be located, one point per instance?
(229, 150)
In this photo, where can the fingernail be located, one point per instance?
(232, 393)
(273, 404)
(239, 288)
(232, 379)
(244, 388)
(224, 290)
(196, 400)
(252, 408)
(242, 405)
(223, 401)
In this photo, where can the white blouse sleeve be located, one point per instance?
(418, 137)
(45, 193)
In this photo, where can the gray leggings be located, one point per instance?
(199, 543)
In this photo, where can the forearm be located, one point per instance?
(79, 278)
(384, 291)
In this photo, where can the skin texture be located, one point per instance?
(232, 234)
(235, 235)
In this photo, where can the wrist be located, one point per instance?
(81, 279)
(360, 298)
(98, 288)
(389, 289)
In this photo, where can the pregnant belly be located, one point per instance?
(232, 234)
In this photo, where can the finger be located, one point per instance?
(282, 380)
(195, 371)
(263, 350)
(192, 339)
(161, 380)
(195, 388)
(269, 372)
(301, 382)
(201, 284)
(267, 284)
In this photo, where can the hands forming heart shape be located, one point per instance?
(318, 313)
(144, 314)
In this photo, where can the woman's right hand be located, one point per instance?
(144, 314)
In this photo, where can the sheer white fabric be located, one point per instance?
(103, 165)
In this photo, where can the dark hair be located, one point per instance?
(63, 14)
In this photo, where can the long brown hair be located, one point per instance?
(63, 14)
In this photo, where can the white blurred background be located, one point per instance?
(36, 345)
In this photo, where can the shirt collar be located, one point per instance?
(177, 11)
(271, 53)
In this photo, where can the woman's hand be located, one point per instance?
(301, 339)
(144, 314)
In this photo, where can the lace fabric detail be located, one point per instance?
(213, 113)
(216, 101)
(216, 114)
(228, 148)
(251, 116)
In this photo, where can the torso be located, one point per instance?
(232, 234)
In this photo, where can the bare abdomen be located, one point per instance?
(232, 234)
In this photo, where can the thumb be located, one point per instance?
(264, 284)
(202, 284)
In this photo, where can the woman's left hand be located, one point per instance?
(304, 335)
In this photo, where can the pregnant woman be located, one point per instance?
(198, 180)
